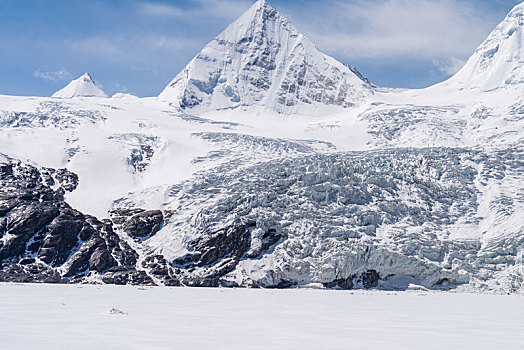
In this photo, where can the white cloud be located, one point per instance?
(121, 88)
(46, 74)
(130, 48)
(443, 30)
(103, 47)
(228, 9)
(160, 9)
(450, 65)
(168, 43)
(200, 9)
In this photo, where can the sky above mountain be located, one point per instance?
(139, 46)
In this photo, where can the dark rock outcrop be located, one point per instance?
(229, 243)
(138, 223)
(342, 283)
(370, 279)
(43, 239)
(122, 276)
(67, 180)
(218, 252)
(144, 224)
(29, 272)
(157, 266)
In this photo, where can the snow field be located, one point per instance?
(111, 317)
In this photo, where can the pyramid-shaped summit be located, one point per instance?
(261, 59)
(81, 87)
(499, 61)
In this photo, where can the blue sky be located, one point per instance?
(138, 46)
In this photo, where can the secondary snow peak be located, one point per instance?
(84, 86)
(499, 61)
(261, 59)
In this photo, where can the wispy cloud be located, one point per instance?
(130, 48)
(160, 9)
(225, 9)
(444, 31)
(168, 43)
(100, 46)
(50, 75)
(121, 88)
(450, 65)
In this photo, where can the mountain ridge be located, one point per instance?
(262, 59)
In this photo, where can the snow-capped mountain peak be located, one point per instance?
(81, 87)
(262, 59)
(253, 21)
(499, 60)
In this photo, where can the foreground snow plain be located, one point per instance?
(124, 317)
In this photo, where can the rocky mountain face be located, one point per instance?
(262, 60)
(81, 87)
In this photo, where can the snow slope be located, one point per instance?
(92, 317)
(499, 61)
(276, 166)
(81, 87)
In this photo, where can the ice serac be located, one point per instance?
(498, 61)
(261, 59)
(81, 87)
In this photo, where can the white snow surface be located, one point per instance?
(93, 317)
(349, 182)
(81, 87)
